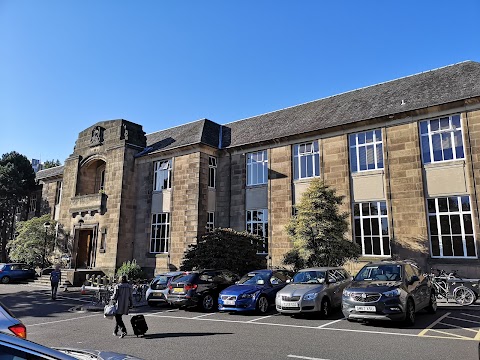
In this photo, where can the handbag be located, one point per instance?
(110, 310)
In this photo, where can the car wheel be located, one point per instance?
(262, 305)
(410, 313)
(5, 280)
(208, 303)
(325, 308)
(432, 305)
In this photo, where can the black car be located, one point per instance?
(388, 290)
(200, 288)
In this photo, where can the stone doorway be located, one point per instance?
(86, 249)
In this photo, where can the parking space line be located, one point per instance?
(475, 316)
(75, 299)
(260, 318)
(424, 331)
(470, 321)
(200, 316)
(451, 334)
(458, 327)
(63, 320)
(304, 357)
(329, 323)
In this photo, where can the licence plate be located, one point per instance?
(366, 308)
(157, 294)
(290, 304)
(178, 290)
(228, 302)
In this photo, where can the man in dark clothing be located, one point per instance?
(55, 277)
(124, 300)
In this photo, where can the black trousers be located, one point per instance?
(54, 289)
(119, 324)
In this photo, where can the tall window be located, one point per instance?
(58, 193)
(162, 173)
(160, 233)
(371, 228)
(441, 139)
(306, 160)
(212, 171)
(257, 224)
(210, 221)
(257, 168)
(450, 227)
(366, 151)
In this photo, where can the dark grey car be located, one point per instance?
(388, 290)
(313, 290)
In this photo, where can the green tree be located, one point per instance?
(33, 241)
(51, 163)
(224, 249)
(17, 182)
(318, 230)
(131, 269)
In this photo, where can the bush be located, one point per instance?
(131, 269)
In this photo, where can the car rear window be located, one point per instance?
(187, 278)
(160, 280)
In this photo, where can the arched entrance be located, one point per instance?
(86, 247)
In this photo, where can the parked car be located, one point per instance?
(200, 288)
(12, 347)
(388, 290)
(255, 291)
(10, 325)
(313, 290)
(158, 288)
(15, 271)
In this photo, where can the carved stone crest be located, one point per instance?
(124, 132)
(97, 136)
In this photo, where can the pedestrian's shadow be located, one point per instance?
(183, 334)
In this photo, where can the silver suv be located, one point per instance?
(388, 290)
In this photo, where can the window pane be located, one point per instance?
(384, 226)
(356, 210)
(370, 157)
(447, 246)
(434, 125)
(445, 224)
(433, 225)
(470, 245)
(317, 164)
(442, 205)
(358, 240)
(379, 156)
(465, 203)
(453, 204)
(373, 208)
(351, 139)
(456, 121)
(378, 135)
(431, 206)
(457, 246)
(376, 246)
(303, 167)
(375, 228)
(362, 156)
(455, 224)
(361, 138)
(353, 159)
(365, 209)
(424, 127)
(369, 136)
(358, 231)
(467, 224)
(447, 146)
(426, 150)
(444, 123)
(437, 147)
(295, 149)
(368, 246)
(296, 170)
(386, 246)
(435, 246)
(457, 135)
(383, 208)
(367, 230)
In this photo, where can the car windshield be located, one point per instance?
(380, 273)
(253, 278)
(309, 277)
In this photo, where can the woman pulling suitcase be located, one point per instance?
(122, 294)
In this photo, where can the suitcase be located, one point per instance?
(139, 325)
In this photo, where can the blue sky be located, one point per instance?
(65, 65)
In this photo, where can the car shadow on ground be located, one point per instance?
(176, 335)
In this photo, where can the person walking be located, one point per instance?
(55, 277)
(122, 295)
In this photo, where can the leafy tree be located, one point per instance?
(318, 230)
(32, 241)
(51, 163)
(224, 249)
(17, 181)
(131, 269)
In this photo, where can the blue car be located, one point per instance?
(255, 291)
(15, 272)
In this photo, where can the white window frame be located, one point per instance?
(263, 224)
(159, 244)
(311, 156)
(356, 145)
(427, 138)
(379, 216)
(210, 221)
(162, 170)
(212, 172)
(460, 213)
(257, 168)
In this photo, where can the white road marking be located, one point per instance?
(475, 316)
(450, 334)
(57, 321)
(470, 321)
(69, 298)
(424, 331)
(200, 316)
(304, 357)
(329, 323)
(260, 318)
(458, 327)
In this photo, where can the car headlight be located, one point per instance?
(310, 296)
(392, 293)
(249, 295)
(347, 292)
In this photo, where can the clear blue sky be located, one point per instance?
(65, 65)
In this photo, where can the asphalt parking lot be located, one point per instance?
(272, 336)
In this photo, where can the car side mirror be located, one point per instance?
(414, 279)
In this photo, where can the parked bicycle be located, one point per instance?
(450, 286)
(102, 295)
(139, 291)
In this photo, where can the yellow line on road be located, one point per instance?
(424, 331)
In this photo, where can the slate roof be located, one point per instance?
(202, 131)
(444, 85)
(48, 173)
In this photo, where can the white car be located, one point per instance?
(158, 288)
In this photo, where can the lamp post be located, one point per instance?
(46, 225)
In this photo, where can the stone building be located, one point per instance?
(405, 154)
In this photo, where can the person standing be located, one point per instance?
(55, 277)
(122, 295)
